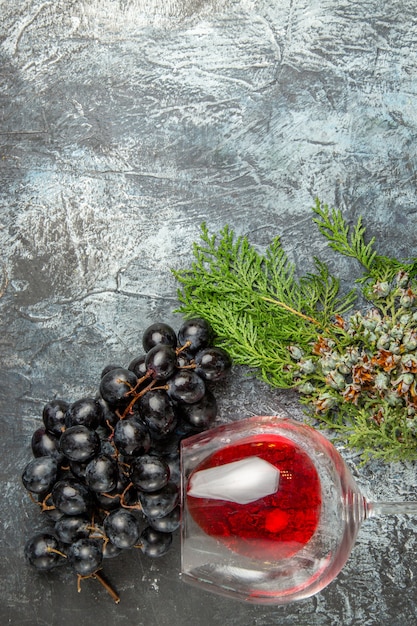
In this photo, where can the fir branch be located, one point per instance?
(355, 429)
(332, 225)
(321, 292)
(358, 373)
(351, 242)
(254, 302)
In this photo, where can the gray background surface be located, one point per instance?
(124, 125)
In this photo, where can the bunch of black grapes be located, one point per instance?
(105, 472)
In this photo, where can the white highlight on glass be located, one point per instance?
(242, 481)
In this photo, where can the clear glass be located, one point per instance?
(270, 511)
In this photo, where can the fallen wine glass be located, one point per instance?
(270, 510)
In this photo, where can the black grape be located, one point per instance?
(158, 333)
(200, 415)
(45, 443)
(42, 551)
(131, 437)
(122, 528)
(85, 556)
(161, 362)
(110, 550)
(40, 475)
(160, 503)
(157, 411)
(155, 543)
(78, 443)
(69, 528)
(212, 363)
(196, 334)
(186, 386)
(116, 385)
(168, 523)
(109, 416)
(85, 411)
(71, 497)
(138, 366)
(108, 368)
(101, 473)
(110, 500)
(53, 416)
(149, 473)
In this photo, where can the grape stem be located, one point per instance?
(107, 587)
(184, 347)
(141, 393)
(140, 381)
(135, 398)
(49, 549)
(44, 506)
(97, 533)
(122, 499)
(102, 581)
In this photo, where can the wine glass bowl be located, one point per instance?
(270, 511)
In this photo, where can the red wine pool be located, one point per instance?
(263, 501)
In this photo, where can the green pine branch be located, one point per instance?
(254, 302)
(351, 242)
(300, 331)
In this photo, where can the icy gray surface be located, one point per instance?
(124, 125)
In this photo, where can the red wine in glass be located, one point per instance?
(273, 526)
(270, 510)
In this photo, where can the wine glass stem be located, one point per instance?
(391, 508)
